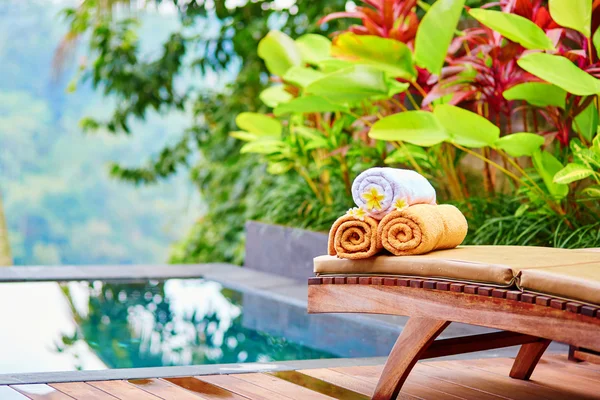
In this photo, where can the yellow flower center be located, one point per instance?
(360, 214)
(373, 199)
(400, 204)
(357, 213)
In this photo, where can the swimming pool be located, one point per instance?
(81, 325)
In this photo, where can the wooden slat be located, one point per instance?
(81, 390)
(41, 392)
(282, 387)
(585, 356)
(318, 385)
(204, 389)
(243, 388)
(7, 393)
(423, 380)
(164, 389)
(564, 382)
(562, 358)
(123, 390)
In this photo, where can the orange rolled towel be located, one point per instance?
(353, 238)
(422, 228)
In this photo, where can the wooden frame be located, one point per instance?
(525, 319)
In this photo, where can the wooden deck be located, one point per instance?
(486, 379)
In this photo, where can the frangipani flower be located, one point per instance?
(357, 212)
(400, 204)
(373, 199)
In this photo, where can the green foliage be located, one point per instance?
(538, 94)
(435, 33)
(560, 71)
(574, 14)
(514, 27)
(388, 55)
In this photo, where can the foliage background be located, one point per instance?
(61, 205)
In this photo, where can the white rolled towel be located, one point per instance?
(382, 190)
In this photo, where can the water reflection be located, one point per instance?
(176, 322)
(83, 325)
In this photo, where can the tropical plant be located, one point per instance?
(498, 93)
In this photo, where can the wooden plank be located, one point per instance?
(204, 389)
(421, 380)
(569, 384)
(562, 358)
(243, 388)
(164, 389)
(123, 390)
(318, 385)
(81, 390)
(469, 344)
(337, 378)
(358, 385)
(530, 319)
(282, 387)
(489, 383)
(41, 392)
(7, 393)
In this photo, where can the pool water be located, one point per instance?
(59, 326)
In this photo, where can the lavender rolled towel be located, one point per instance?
(382, 190)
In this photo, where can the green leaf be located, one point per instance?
(571, 173)
(302, 76)
(547, 166)
(355, 84)
(316, 140)
(389, 55)
(333, 64)
(520, 144)
(263, 146)
(405, 152)
(308, 104)
(514, 27)
(314, 48)
(589, 157)
(420, 128)
(258, 124)
(538, 94)
(574, 14)
(275, 95)
(245, 136)
(465, 127)
(280, 167)
(586, 122)
(435, 33)
(561, 72)
(596, 40)
(280, 52)
(592, 191)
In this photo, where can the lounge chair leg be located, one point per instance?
(417, 335)
(527, 359)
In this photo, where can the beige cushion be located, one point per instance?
(574, 282)
(540, 269)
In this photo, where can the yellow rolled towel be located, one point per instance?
(353, 238)
(422, 228)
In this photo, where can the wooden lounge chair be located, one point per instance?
(533, 295)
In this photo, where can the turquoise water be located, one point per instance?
(52, 326)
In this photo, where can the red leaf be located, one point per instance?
(341, 14)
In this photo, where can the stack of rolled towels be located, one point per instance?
(396, 211)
